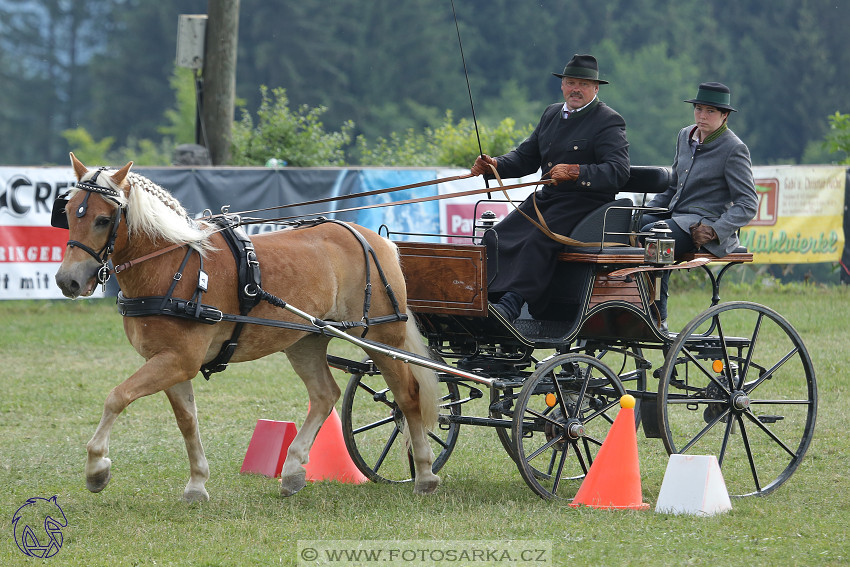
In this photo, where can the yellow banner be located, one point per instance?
(800, 215)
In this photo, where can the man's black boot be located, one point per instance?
(510, 305)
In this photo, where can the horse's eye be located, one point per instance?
(101, 222)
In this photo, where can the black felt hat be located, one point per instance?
(582, 67)
(714, 94)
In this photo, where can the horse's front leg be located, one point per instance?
(182, 398)
(160, 372)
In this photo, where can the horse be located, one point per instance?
(309, 267)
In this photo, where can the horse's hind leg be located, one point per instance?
(308, 358)
(182, 400)
(411, 396)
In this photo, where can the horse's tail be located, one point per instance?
(429, 393)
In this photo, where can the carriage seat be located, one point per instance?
(612, 222)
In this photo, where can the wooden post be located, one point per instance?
(219, 74)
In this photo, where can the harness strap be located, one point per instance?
(209, 315)
(248, 278)
(367, 301)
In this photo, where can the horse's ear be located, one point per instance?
(119, 176)
(79, 168)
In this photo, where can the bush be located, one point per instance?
(448, 145)
(296, 138)
(838, 138)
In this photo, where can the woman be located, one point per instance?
(712, 193)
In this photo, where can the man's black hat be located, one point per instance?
(582, 67)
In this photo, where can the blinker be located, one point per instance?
(57, 215)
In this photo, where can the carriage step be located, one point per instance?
(770, 418)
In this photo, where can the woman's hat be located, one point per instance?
(582, 67)
(714, 94)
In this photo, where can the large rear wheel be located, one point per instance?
(738, 383)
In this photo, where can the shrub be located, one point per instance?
(297, 138)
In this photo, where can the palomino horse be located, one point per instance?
(310, 268)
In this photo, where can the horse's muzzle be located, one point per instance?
(79, 280)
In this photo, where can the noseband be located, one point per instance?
(102, 255)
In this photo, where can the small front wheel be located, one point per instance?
(563, 414)
(373, 424)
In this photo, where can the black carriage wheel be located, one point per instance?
(372, 429)
(746, 393)
(563, 414)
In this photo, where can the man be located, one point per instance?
(581, 145)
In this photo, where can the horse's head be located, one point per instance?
(92, 214)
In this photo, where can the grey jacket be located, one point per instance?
(714, 186)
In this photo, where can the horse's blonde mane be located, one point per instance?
(154, 212)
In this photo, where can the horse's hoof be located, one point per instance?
(426, 485)
(195, 495)
(291, 484)
(98, 481)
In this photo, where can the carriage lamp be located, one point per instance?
(659, 245)
(488, 219)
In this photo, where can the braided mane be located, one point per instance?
(153, 211)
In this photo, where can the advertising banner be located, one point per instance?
(800, 215)
(30, 249)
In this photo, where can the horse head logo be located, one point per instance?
(38, 527)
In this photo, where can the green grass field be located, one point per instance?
(59, 359)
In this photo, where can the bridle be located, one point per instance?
(59, 220)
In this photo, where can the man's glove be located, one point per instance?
(482, 165)
(702, 233)
(564, 172)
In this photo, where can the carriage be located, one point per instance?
(736, 382)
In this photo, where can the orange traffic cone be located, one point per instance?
(267, 448)
(329, 458)
(613, 480)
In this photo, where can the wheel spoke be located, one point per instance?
(752, 349)
(542, 449)
(745, 438)
(709, 375)
(769, 374)
(436, 438)
(385, 452)
(582, 463)
(770, 434)
(373, 425)
(602, 412)
(557, 480)
(705, 430)
(724, 444)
